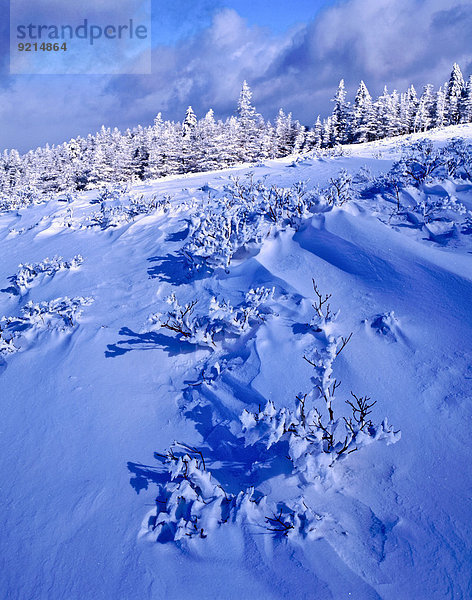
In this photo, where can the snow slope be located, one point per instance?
(88, 399)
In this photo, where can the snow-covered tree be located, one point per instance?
(287, 134)
(190, 122)
(340, 116)
(363, 115)
(250, 127)
(466, 102)
(168, 147)
(384, 116)
(440, 109)
(426, 112)
(454, 91)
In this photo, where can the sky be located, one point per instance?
(292, 54)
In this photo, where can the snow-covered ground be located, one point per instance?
(92, 387)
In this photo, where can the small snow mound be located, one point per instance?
(440, 230)
(386, 325)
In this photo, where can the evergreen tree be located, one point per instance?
(300, 138)
(412, 101)
(454, 91)
(426, 112)
(340, 116)
(269, 144)
(13, 168)
(318, 133)
(440, 110)
(250, 127)
(190, 122)
(207, 143)
(383, 124)
(286, 132)
(396, 119)
(229, 149)
(363, 115)
(327, 135)
(466, 103)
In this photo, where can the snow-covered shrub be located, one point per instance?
(245, 315)
(387, 185)
(221, 317)
(29, 273)
(323, 314)
(420, 162)
(286, 205)
(409, 183)
(339, 190)
(245, 215)
(60, 314)
(337, 151)
(114, 214)
(112, 192)
(6, 343)
(215, 237)
(467, 226)
(188, 326)
(294, 522)
(316, 440)
(441, 213)
(192, 503)
(459, 159)
(22, 197)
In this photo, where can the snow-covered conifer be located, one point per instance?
(455, 88)
(466, 102)
(340, 116)
(363, 115)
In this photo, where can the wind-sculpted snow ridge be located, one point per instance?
(192, 502)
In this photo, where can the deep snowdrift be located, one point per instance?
(93, 385)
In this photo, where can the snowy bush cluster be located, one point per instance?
(423, 162)
(6, 343)
(59, 314)
(339, 190)
(29, 274)
(113, 213)
(221, 319)
(316, 441)
(192, 502)
(422, 186)
(315, 438)
(196, 145)
(21, 197)
(244, 216)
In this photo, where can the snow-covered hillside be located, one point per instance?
(187, 415)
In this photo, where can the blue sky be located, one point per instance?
(292, 54)
(182, 18)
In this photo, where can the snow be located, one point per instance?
(93, 389)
